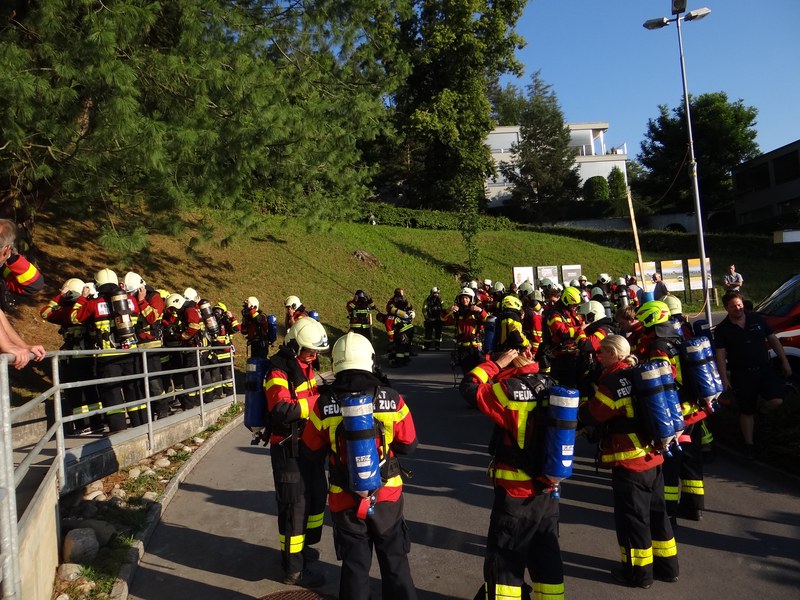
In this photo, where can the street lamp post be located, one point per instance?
(692, 15)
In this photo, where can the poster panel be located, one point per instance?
(646, 279)
(570, 272)
(550, 273)
(522, 274)
(696, 274)
(672, 275)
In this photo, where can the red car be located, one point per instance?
(782, 312)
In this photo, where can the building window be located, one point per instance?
(786, 167)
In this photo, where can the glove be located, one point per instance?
(411, 314)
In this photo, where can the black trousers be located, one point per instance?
(111, 393)
(683, 473)
(387, 533)
(300, 490)
(433, 334)
(523, 533)
(644, 533)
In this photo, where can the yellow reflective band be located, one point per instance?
(665, 548)
(29, 274)
(140, 407)
(624, 402)
(80, 410)
(281, 381)
(116, 412)
(671, 493)
(548, 591)
(507, 592)
(296, 543)
(481, 375)
(306, 385)
(509, 475)
(395, 481)
(636, 452)
(303, 402)
(693, 486)
(315, 521)
(639, 557)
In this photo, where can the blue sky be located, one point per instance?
(604, 66)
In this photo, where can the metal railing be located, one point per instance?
(12, 475)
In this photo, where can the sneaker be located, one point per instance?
(620, 574)
(305, 578)
(310, 554)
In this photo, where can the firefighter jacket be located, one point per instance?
(661, 342)
(564, 325)
(509, 403)
(254, 325)
(227, 326)
(171, 327)
(21, 277)
(395, 435)
(291, 394)
(432, 308)
(483, 299)
(59, 311)
(193, 334)
(595, 333)
(468, 322)
(532, 322)
(612, 407)
(359, 314)
(108, 328)
(510, 331)
(148, 324)
(400, 316)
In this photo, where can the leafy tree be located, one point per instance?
(596, 188)
(617, 193)
(116, 112)
(724, 136)
(507, 104)
(441, 113)
(543, 172)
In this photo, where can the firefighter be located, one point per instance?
(684, 489)
(483, 296)
(432, 310)
(598, 327)
(20, 277)
(294, 311)
(365, 519)
(401, 336)
(565, 329)
(467, 317)
(359, 314)
(223, 348)
(109, 321)
(172, 327)
(194, 335)
(255, 328)
(74, 401)
(644, 533)
(510, 334)
(532, 313)
(151, 306)
(291, 394)
(523, 529)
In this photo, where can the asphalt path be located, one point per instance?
(218, 536)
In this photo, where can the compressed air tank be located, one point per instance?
(559, 434)
(363, 461)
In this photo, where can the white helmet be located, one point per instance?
(310, 334)
(292, 302)
(434, 290)
(352, 351)
(557, 287)
(473, 284)
(469, 292)
(592, 310)
(499, 287)
(574, 283)
(190, 294)
(175, 301)
(621, 281)
(133, 281)
(92, 289)
(252, 302)
(487, 282)
(525, 288)
(74, 287)
(604, 278)
(104, 276)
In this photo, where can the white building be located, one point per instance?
(591, 155)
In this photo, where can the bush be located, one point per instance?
(395, 216)
(596, 188)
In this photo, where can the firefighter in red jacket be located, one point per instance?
(20, 277)
(646, 542)
(523, 530)
(363, 520)
(684, 490)
(193, 335)
(468, 318)
(359, 314)
(294, 311)
(74, 401)
(255, 328)
(565, 328)
(291, 394)
(222, 343)
(109, 320)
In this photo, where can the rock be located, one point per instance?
(171, 452)
(198, 440)
(103, 530)
(115, 493)
(188, 449)
(150, 496)
(95, 495)
(162, 463)
(69, 572)
(80, 546)
(93, 487)
(148, 473)
(134, 473)
(145, 462)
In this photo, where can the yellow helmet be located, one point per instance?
(221, 306)
(675, 306)
(511, 302)
(652, 313)
(571, 296)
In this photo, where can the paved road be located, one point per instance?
(218, 536)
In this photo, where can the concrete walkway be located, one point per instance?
(218, 538)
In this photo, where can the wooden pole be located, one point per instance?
(636, 237)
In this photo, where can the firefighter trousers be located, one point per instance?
(354, 539)
(523, 533)
(684, 489)
(300, 491)
(646, 542)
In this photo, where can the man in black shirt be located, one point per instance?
(741, 339)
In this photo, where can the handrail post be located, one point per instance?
(147, 399)
(61, 455)
(9, 538)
